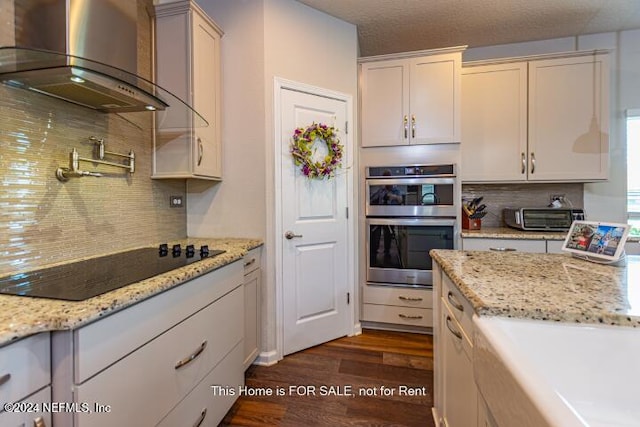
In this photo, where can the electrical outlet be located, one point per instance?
(558, 197)
(175, 201)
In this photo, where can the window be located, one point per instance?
(633, 171)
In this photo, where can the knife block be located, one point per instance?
(470, 224)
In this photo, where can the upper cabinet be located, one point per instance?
(411, 99)
(538, 120)
(188, 64)
(494, 122)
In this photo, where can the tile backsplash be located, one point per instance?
(43, 220)
(500, 196)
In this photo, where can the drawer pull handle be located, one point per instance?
(403, 298)
(248, 263)
(5, 378)
(453, 331)
(191, 357)
(404, 316)
(39, 422)
(503, 249)
(203, 415)
(454, 301)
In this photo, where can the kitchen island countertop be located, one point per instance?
(24, 316)
(554, 287)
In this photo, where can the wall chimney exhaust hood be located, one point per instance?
(85, 52)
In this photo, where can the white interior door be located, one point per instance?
(314, 263)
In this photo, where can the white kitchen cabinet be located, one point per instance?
(494, 122)
(25, 379)
(555, 246)
(569, 118)
(161, 348)
(411, 99)
(537, 120)
(632, 248)
(512, 245)
(456, 394)
(485, 418)
(504, 245)
(29, 411)
(188, 65)
(397, 306)
(252, 301)
(204, 406)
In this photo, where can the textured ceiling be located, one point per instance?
(390, 26)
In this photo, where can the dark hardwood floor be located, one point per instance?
(395, 369)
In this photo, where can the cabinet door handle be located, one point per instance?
(203, 415)
(503, 249)
(403, 298)
(248, 263)
(453, 331)
(454, 302)
(404, 316)
(533, 162)
(192, 356)
(39, 422)
(405, 121)
(5, 378)
(524, 164)
(200, 151)
(413, 126)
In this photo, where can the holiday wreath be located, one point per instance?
(303, 150)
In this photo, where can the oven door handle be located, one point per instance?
(410, 181)
(434, 222)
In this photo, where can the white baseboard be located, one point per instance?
(267, 358)
(357, 329)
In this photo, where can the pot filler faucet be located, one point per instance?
(73, 171)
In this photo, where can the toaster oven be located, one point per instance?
(542, 219)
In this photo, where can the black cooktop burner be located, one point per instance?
(85, 279)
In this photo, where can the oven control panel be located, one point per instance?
(410, 171)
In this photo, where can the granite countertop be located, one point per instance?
(545, 286)
(23, 316)
(512, 233)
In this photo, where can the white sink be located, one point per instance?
(562, 374)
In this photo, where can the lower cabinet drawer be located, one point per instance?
(25, 367)
(31, 413)
(402, 297)
(143, 387)
(504, 245)
(397, 315)
(205, 406)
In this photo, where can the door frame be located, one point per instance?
(280, 84)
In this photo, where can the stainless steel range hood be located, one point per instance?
(85, 52)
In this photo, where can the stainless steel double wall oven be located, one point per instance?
(410, 210)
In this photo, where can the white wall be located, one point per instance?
(264, 39)
(236, 206)
(606, 200)
(306, 46)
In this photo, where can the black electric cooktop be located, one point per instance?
(82, 280)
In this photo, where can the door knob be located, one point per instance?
(290, 235)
